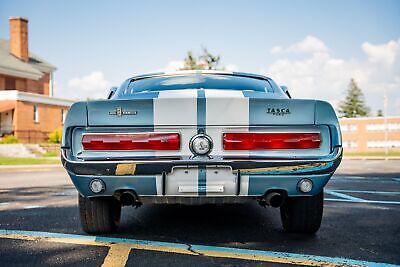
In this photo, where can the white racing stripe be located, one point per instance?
(176, 107)
(226, 107)
(223, 108)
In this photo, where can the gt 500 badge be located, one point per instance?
(278, 111)
(119, 112)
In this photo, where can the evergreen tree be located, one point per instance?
(354, 105)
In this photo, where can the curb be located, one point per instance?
(33, 166)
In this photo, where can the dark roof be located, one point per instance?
(13, 66)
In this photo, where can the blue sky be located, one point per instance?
(312, 46)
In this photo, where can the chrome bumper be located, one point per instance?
(250, 166)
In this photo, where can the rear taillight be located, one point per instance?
(261, 141)
(136, 141)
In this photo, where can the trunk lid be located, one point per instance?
(200, 108)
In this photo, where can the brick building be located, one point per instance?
(28, 109)
(371, 134)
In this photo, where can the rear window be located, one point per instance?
(197, 81)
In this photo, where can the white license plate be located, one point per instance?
(191, 181)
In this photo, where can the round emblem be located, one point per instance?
(201, 144)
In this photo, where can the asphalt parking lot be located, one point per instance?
(39, 225)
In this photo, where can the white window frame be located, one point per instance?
(36, 113)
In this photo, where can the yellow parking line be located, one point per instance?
(74, 241)
(240, 256)
(117, 255)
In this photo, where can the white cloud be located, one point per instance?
(310, 44)
(231, 67)
(384, 53)
(323, 76)
(173, 65)
(276, 50)
(93, 85)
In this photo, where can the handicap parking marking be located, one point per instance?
(120, 249)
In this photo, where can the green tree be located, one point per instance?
(354, 105)
(210, 61)
(190, 62)
(206, 61)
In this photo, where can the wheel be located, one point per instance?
(99, 215)
(302, 214)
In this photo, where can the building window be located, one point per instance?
(10, 84)
(353, 128)
(383, 127)
(383, 144)
(394, 126)
(348, 128)
(35, 114)
(350, 144)
(63, 115)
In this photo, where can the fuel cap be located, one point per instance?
(201, 144)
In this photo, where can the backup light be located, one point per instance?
(305, 185)
(97, 186)
(135, 141)
(263, 141)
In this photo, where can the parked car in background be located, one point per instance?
(197, 137)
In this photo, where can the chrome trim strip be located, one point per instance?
(286, 166)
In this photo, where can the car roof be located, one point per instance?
(183, 72)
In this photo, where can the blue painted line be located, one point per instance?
(341, 195)
(367, 192)
(292, 255)
(364, 201)
(200, 248)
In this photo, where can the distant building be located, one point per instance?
(370, 134)
(28, 109)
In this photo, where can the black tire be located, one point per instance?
(99, 215)
(302, 214)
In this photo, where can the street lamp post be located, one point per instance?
(385, 125)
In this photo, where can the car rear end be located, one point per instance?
(141, 150)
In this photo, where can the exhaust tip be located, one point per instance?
(274, 199)
(128, 198)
